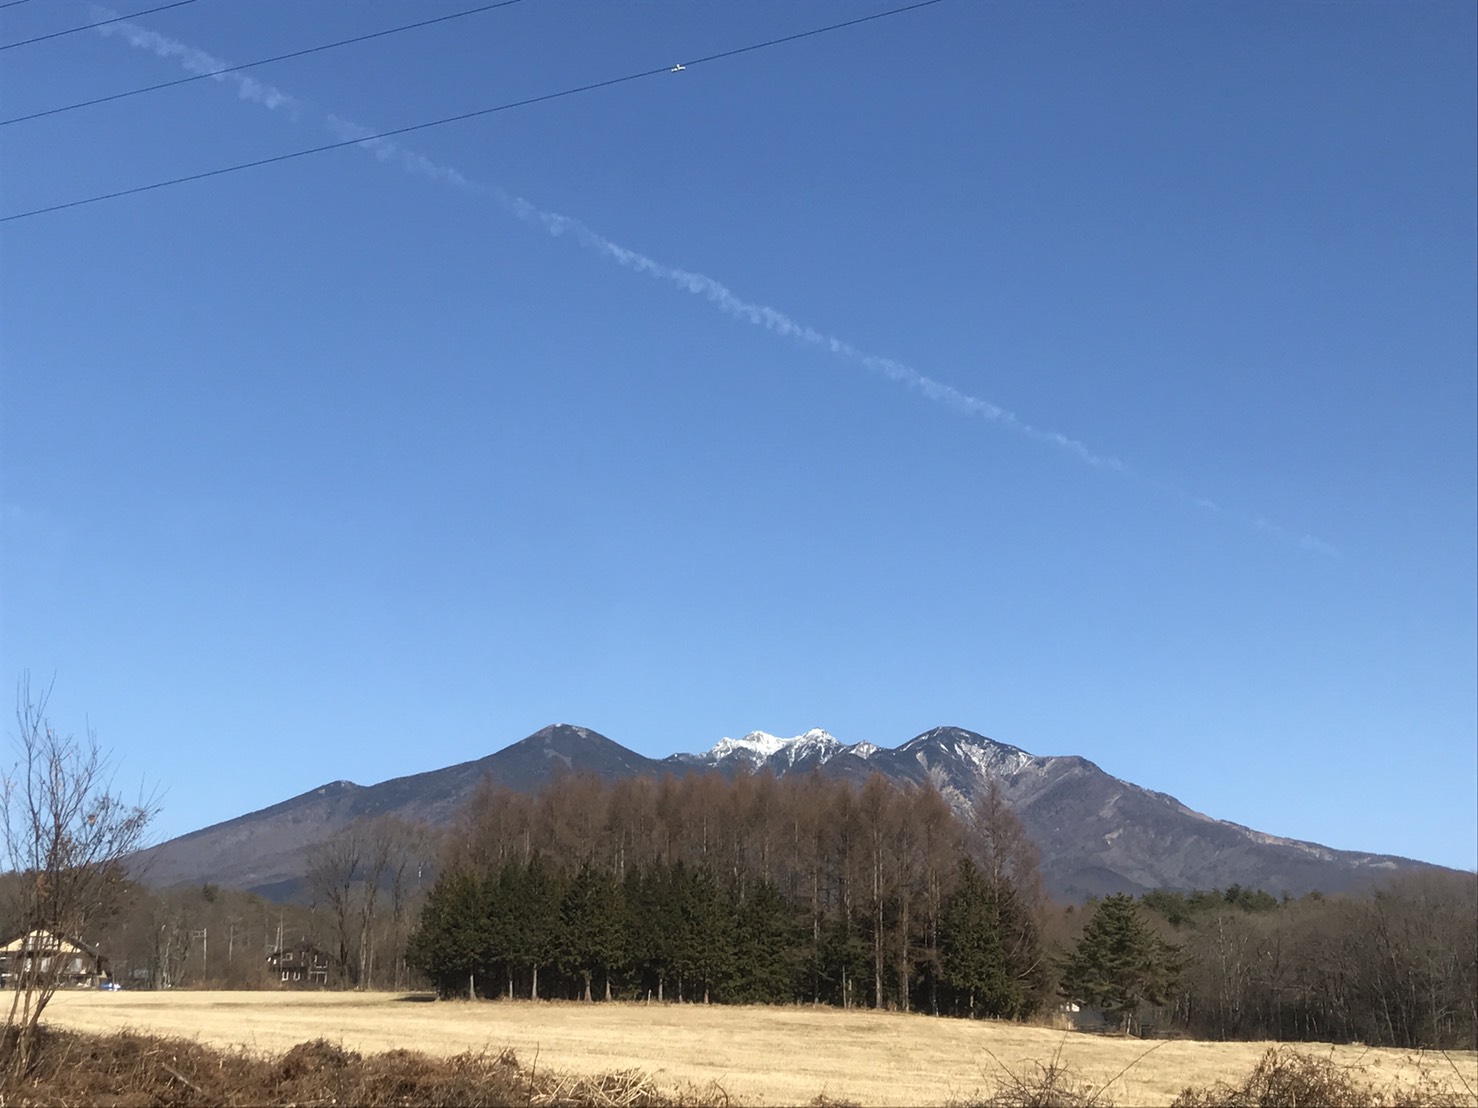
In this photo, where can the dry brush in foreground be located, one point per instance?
(1283, 1078)
(128, 1069)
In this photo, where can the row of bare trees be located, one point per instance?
(1395, 966)
(201, 936)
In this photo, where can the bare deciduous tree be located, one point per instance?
(67, 837)
(348, 872)
(334, 869)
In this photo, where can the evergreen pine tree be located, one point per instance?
(449, 944)
(590, 927)
(972, 956)
(704, 949)
(539, 893)
(1119, 963)
(651, 909)
(503, 922)
(766, 948)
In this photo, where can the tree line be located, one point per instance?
(746, 889)
(802, 889)
(1395, 966)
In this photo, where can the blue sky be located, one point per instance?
(1097, 377)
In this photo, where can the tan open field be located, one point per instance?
(759, 1055)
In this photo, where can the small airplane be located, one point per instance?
(677, 68)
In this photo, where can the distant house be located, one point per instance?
(1083, 1018)
(303, 964)
(77, 965)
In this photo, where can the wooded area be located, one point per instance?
(751, 889)
(1397, 966)
(807, 890)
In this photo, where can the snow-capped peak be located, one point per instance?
(760, 746)
(815, 735)
(757, 744)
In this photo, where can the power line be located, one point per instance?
(814, 31)
(13, 3)
(259, 61)
(463, 116)
(90, 26)
(338, 145)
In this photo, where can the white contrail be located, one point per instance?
(777, 322)
(386, 151)
(197, 61)
(698, 284)
(761, 315)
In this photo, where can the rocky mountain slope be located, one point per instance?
(1097, 833)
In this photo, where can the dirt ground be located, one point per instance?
(759, 1055)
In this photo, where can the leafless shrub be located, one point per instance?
(1050, 1084)
(1288, 1078)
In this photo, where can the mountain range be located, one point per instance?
(1097, 834)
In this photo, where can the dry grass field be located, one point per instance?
(759, 1055)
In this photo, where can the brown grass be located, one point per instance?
(792, 1055)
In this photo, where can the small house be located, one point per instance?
(303, 964)
(40, 953)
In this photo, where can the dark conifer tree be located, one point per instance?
(652, 907)
(972, 955)
(449, 945)
(591, 931)
(1119, 963)
(539, 894)
(705, 946)
(506, 923)
(767, 940)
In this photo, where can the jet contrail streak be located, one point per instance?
(777, 322)
(696, 284)
(199, 62)
(719, 295)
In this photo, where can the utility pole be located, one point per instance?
(204, 951)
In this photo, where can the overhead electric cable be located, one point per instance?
(99, 23)
(260, 61)
(463, 116)
(13, 3)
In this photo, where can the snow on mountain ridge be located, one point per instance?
(757, 744)
(760, 746)
(984, 756)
